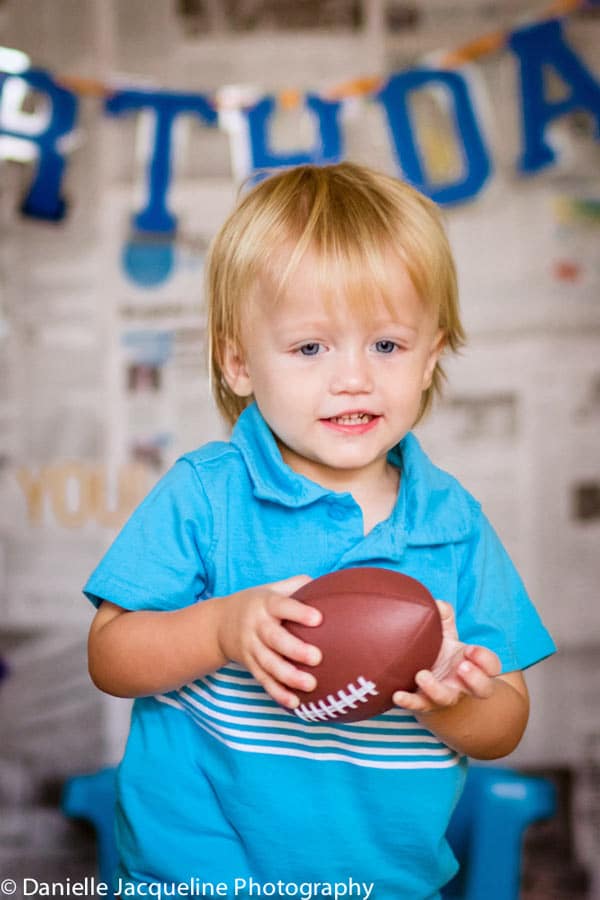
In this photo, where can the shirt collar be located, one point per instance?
(271, 477)
(432, 507)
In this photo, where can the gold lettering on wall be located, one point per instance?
(33, 487)
(75, 493)
(68, 486)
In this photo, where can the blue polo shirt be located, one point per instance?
(218, 783)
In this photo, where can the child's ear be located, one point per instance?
(235, 370)
(438, 343)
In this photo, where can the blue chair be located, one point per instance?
(485, 833)
(487, 828)
(93, 798)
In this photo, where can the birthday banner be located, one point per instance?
(537, 48)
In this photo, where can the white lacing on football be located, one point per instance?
(332, 707)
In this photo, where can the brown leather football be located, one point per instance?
(379, 629)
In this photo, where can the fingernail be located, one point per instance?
(464, 667)
(314, 657)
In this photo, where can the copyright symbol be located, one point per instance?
(8, 886)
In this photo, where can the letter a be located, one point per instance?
(536, 47)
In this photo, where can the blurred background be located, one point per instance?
(102, 363)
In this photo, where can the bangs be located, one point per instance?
(354, 277)
(350, 235)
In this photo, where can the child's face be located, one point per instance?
(337, 389)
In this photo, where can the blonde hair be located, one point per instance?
(350, 217)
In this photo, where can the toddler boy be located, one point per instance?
(332, 298)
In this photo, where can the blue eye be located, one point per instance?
(309, 349)
(385, 346)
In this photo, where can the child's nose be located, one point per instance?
(351, 374)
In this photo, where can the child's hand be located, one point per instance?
(250, 633)
(458, 670)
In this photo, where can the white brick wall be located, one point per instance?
(521, 418)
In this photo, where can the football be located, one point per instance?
(379, 628)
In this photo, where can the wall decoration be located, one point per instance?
(477, 164)
(328, 148)
(155, 218)
(44, 199)
(538, 47)
(74, 493)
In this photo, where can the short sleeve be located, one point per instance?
(494, 609)
(158, 560)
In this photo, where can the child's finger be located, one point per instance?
(293, 610)
(283, 671)
(412, 702)
(445, 609)
(439, 693)
(485, 659)
(279, 639)
(476, 681)
(448, 618)
(277, 691)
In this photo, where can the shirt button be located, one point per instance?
(337, 512)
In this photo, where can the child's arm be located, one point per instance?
(465, 700)
(135, 654)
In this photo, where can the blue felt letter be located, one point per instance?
(328, 148)
(44, 200)
(476, 159)
(544, 45)
(155, 217)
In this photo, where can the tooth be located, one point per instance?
(354, 419)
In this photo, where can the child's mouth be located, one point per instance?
(352, 419)
(355, 423)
